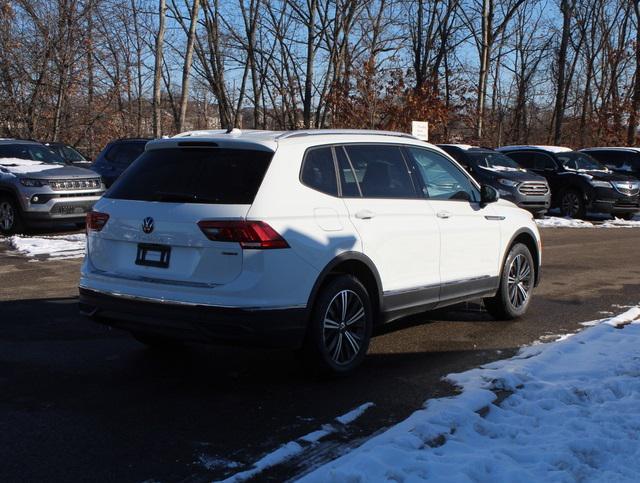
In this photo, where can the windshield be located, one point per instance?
(579, 162)
(35, 152)
(183, 175)
(490, 159)
(70, 154)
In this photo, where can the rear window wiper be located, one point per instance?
(181, 198)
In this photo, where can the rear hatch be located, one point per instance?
(152, 231)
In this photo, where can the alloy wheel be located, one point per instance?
(570, 204)
(7, 216)
(344, 327)
(519, 281)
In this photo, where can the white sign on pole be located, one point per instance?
(420, 129)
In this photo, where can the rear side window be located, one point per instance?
(319, 171)
(380, 171)
(123, 154)
(190, 175)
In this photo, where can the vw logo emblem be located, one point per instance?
(147, 225)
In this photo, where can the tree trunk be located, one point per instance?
(635, 101)
(186, 68)
(157, 72)
(566, 7)
(485, 49)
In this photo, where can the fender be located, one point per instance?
(536, 254)
(341, 258)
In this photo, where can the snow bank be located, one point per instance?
(568, 411)
(57, 247)
(557, 222)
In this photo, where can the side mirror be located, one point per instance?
(488, 194)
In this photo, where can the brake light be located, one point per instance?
(249, 234)
(96, 220)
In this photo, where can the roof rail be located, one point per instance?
(346, 132)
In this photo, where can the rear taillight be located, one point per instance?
(249, 234)
(96, 220)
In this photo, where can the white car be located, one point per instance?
(304, 239)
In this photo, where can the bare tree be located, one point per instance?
(157, 71)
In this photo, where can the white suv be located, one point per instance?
(307, 239)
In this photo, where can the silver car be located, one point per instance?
(37, 187)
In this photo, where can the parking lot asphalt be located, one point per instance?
(82, 402)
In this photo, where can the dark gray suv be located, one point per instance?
(514, 183)
(38, 187)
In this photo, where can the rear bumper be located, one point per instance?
(283, 328)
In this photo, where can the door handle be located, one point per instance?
(365, 214)
(443, 214)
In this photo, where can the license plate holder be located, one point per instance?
(153, 255)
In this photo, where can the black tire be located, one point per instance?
(627, 216)
(338, 348)
(572, 204)
(516, 285)
(10, 216)
(158, 343)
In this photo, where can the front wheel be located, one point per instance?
(10, 217)
(516, 285)
(572, 204)
(340, 326)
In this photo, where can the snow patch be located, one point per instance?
(354, 414)
(294, 448)
(562, 411)
(56, 247)
(280, 455)
(558, 222)
(25, 166)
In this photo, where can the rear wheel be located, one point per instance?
(10, 216)
(516, 284)
(572, 204)
(340, 326)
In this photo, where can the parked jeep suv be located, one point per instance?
(307, 239)
(579, 182)
(116, 157)
(37, 187)
(514, 183)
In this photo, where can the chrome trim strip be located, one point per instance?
(434, 285)
(494, 217)
(140, 298)
(164, 281)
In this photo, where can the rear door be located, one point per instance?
(154, 210)
(470, 234)
(396, 225)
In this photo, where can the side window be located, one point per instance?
(318, 171)
(381, 171)
(544, 161)
(123, 154)
(442, 179)
(526, 160)
(348, 181)
(5, 152)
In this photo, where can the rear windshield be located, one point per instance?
(194, 175)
